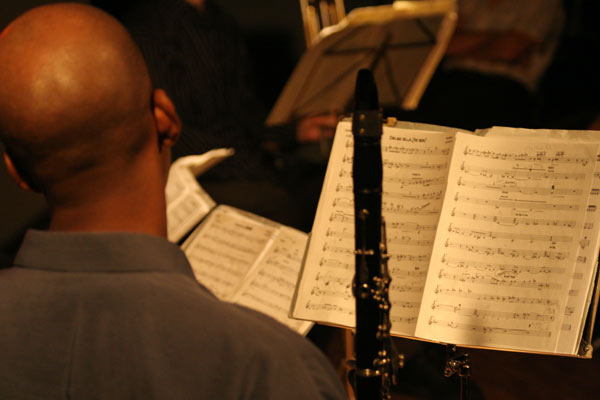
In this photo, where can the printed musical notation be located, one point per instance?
(516, 203)
(510, 236)
(483, 279)
(187, 203)
(415, 150)
(525, 254)
(342, 217)
(326, 307)
(479, 313)
(507, 270)
(467, 293)
(487, 330)
(519, 174)
(221, 254)
(245, 259)
(270, 284)
(428, 208)
(500, 232)
(537, 157)
(511, 187)
(415, 166)
(513, 221)
(437, 194)
(485, 234)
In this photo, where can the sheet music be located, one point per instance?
(507, 243)
(580, 293)
(415, 165)
(270, 285)
(187, 202)
(225, 247)
(246, 259)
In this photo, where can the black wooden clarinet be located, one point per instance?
(373, 369)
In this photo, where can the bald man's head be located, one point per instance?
(74, 93)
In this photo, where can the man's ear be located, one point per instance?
(16, 175)
(168, 124)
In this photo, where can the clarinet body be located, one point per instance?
(371, 280)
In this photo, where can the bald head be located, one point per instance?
(74, 93)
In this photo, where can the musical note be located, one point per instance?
(337, 234)
(270, 284)
(405, 288)
(513, 188)
(405, 304)
(335, 263)
(398, 208)
(403, 320)
(489, 329)
(431, 151)
(324, 306)
(513, 253)
(540, 156)
(435, 195)
(340, 216)
(397, 272)
(516, 203)
(403, 181)
(203, 248)
(503, 269)
(518, 174)
(487, 297)
(411, 227)
(410, 257)
(483, 234)
(327, 247)
(332, 293)
(397, 195)
(512, 221)
(410, 241)
(343, 202)
(414, 166)
(325, 278)
(492, 281)
(480, 313)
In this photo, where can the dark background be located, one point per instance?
(568, 97)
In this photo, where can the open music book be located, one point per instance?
(241, 257)
(493, 240)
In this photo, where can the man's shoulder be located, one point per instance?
(260, 354)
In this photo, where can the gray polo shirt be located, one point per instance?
(120, 316)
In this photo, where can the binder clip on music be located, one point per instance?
(372, 370)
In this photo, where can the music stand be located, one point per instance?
(401, 43)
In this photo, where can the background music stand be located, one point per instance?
(401, 43)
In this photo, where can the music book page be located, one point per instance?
(507, 243)
(581, 288)
(246, 259)
(415, 166)
(270, 285)
(187, 202)
(239, 256)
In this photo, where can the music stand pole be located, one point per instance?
(459, 364)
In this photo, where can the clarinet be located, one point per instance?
(373, 369)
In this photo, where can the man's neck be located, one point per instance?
(110, 216)
(135, 206)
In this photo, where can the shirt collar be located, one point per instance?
(100, 252)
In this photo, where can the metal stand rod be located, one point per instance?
(459, 364)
